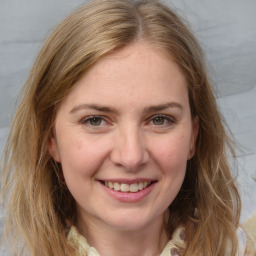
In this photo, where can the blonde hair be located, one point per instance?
(38, 203)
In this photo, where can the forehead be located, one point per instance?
(139, 54)
(139, 72)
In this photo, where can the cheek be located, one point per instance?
(81, 156)
(171, 153)
(172, 160)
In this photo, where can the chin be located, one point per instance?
(130, 221)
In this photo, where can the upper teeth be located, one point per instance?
(134, 187)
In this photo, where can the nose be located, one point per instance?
(130, 151)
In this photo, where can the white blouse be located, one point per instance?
(83, 248)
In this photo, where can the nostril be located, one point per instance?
(129, 150)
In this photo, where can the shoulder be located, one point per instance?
(249, 228)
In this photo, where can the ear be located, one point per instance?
(53, 149)
(195, 128)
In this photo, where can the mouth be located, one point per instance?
(128, 188)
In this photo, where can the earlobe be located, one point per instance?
(53, 149)
(194, 134)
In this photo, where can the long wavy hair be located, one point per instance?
(35, 198)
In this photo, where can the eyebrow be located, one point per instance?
(163, 107)
(107, 109)
(95, 107)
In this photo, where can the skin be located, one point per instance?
(143, 130)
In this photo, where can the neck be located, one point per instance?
(108, 241)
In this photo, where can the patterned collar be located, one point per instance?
(171, 248)
(83, 248)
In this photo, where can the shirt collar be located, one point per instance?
(84, 249)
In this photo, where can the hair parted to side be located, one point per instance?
(37, 200)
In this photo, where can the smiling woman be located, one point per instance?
(117, 147)
(132, 139)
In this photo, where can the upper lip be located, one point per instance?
(128, 181)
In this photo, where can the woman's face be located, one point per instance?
(123, 137)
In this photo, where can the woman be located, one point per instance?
(117, 146)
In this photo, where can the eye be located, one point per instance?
(159, 120)
(162, 120)
(93, 121)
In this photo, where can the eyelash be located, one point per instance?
(89, 119)
(167, 120)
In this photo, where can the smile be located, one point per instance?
(124, 187)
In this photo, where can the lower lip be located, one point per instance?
(129, 197)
